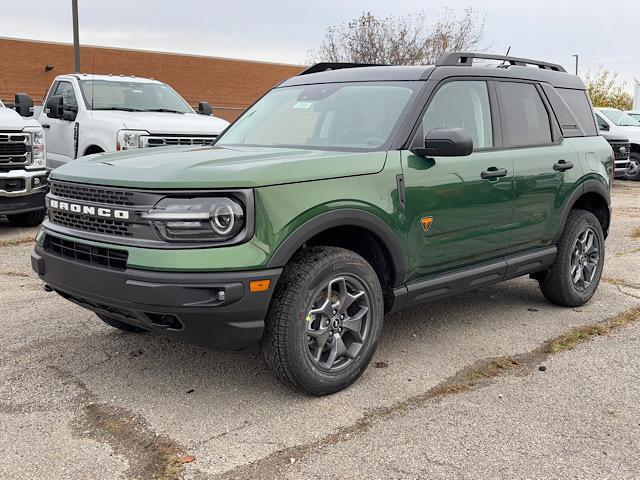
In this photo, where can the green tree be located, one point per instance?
(605, 90)
(400, 40)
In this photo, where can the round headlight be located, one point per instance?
(222, 219)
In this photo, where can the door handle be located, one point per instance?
(46, 125)
(562, 166)
(493, 172)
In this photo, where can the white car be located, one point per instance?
(23, 176)
(617, 122)
(85, 114)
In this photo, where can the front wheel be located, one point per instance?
(633, 170)
(575, 274)
(28, 219)
(324, 320)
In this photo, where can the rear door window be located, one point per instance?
(525, 120)
(580, 105)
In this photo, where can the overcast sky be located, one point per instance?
(602, 33)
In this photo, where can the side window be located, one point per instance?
(603, 126)
(461, 104)
(525, 120)
(579, 104)
(65, 89)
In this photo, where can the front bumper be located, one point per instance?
(621, 167)
(183, 305)
(19, 194)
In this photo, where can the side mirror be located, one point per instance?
(204, 108)
(604, 127)
(446, 142)
(55, 107)
(70, 112)
(24, 104)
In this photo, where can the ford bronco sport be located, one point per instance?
(341, 195)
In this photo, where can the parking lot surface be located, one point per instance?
(496, 383)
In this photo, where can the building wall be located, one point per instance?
(229, 85)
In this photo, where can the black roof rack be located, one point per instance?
(324, 66)
(466, 59)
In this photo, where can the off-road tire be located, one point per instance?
(557, 285)
(284, 343)
(125, 327)
(27, 219)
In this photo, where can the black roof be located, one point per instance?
(449, 65)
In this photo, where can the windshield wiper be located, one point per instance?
(124, 109)
(167, 110)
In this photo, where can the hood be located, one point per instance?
(633, 133)
(216, 167)
(11, 120)
(164, 122)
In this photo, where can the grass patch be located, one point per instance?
(14, 242)
(635, 233)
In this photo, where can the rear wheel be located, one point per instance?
(125, 327)
(28, 219)
(575, 274)
(633, 170)
(324, 320)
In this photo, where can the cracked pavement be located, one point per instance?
(80, 400)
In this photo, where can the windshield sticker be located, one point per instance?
(304, 105)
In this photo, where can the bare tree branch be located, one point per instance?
(402, 40)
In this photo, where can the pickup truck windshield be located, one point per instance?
(132, 96)
(328, 116)
(621, 119)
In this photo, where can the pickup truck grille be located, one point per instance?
(160, 141)
(14, 149)
(621, 150)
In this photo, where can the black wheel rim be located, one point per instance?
(585, 258)
(338, 323)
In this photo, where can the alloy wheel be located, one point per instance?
(338, 323)
(585, 258)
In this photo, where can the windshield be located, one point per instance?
(325, 116)
(621, 119)
(636, 116)
(132, 96)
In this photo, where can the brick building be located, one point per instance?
(229, 85)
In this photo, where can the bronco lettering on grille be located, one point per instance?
(89, 210)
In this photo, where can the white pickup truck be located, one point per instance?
(23, 176)
(617, 122)
(85, 114)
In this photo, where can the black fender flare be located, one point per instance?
(339, 218)
(588, 186)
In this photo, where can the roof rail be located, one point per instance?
(466, 59)
(324, 66)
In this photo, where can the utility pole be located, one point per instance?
(576, 57)
(76, 36)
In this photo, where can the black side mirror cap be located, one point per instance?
(55, 107)
(445, 142)
(204, 108)
(24, 105)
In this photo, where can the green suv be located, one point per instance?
(345, 193)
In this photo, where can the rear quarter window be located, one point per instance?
(579, 103)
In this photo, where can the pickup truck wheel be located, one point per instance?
(633, 170)
(28, 219)
(575, 275)
(125, 327)
(324, 320)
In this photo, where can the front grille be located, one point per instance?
(90, 254)
(91, 224)
(159, 141)
(14, 149)
(88, 193)
(617, 146)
